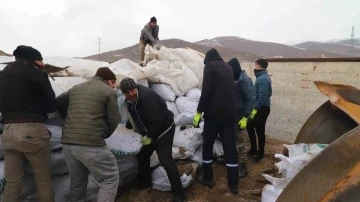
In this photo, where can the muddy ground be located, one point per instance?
(250, 186)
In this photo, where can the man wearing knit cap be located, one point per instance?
(218, 103)
(245, 99)
(261, 110)
(26, 97)
(149, 116)
(149, 35)
(91, 115)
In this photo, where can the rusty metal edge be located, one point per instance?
(357, 59)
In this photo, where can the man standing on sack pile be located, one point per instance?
(149, 35)
(245, 98)
(91, 115)
(26, 97)
(149, 116)
(218, 101)
(261, 110)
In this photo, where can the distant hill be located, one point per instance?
(132, 52)
(266, 49)
(331, 47)
(2, 53)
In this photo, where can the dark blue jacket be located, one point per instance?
(244, 86)
(262, 90)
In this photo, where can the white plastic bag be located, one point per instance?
(194, 93)
(2, 175)
(55, 140)
(270, 193)
(218, 148)
(173, 108)
(190, 138)
(124, 142)
(177, 153)
(186, 104)
(164, 91)
(184, 119)
(161, 182)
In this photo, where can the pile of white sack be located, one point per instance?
(176, 76)
(299, 156)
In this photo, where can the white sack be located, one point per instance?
(218, 148)
(29, 188)
(161, 182)
(55, 140)
(193, 60)
(164, 91)
(124, 142)
(190, 138)
(61, 186)
(173, 108)
(276, 182)
(186, 104)
(270, 193)
(168, 69)
(184, 119)
(143, 82)
(58, 163)
(201, 125)
(121, 103)
(177, 153)
(128, 168)
(298, 149)
(2, 175)
(128, 176)
(1, 151)
(194, 94)
(63, 84)
(197, 157)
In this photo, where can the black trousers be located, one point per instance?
(256, 127)
(227, 130)
(163, 148)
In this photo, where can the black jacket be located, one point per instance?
(152, 112)
(218, 97)
(25, 93)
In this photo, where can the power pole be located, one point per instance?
(352, 41)
(99, 44)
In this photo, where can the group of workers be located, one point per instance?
(229, 103)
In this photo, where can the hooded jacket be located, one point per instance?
(218, 96)
(26, 94)
(149, 35)
(244, 89)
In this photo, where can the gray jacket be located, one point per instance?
(244, 85)
(147, 35)
(91, 113)
(262, 90)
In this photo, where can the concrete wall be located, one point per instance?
(295, 96)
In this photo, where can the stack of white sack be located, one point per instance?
(299, 156)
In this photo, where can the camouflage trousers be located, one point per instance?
(241, 146)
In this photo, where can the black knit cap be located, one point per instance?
(153, 19)
(27, 53)
(262, 62)
(235, 64)
(105, 73)
(127, 84)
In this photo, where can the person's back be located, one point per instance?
(87, 114)
(92, 115)
(218, 98)
(26, 96)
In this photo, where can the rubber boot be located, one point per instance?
(242, 170)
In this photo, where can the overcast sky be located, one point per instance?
(72, 27)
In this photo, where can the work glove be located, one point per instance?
(242, 123)
(253, 113)
(196, 120)
(146, 140)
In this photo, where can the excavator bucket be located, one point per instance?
(334, 174)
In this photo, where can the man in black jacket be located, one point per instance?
(26, 97)
(149, 116)
(218, 102)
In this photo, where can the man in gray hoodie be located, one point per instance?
(246, 101)
(149, 35)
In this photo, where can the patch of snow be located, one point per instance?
(294, 43)
(211, 42)
(335, 40)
